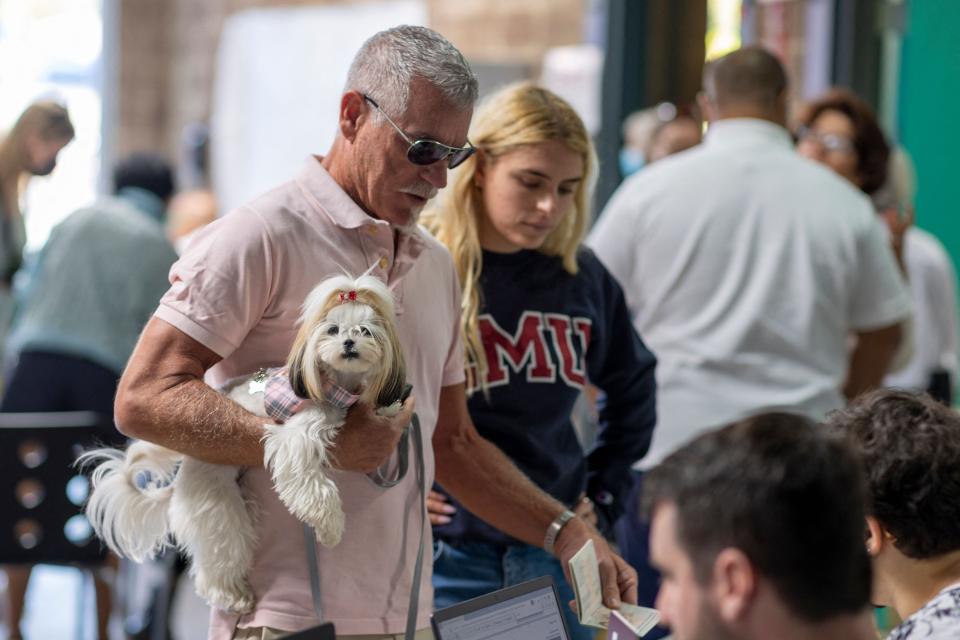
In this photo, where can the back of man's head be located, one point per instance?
(786, 494)
(746, 82)
(387, 63)
(147, 171)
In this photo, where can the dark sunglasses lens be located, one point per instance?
(458, 157)
(425, 152)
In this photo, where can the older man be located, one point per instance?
(233, 306)
(757, 531)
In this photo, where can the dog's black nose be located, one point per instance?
(348, 343)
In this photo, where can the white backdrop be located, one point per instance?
(279, 76)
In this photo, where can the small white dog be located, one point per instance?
(148, 497)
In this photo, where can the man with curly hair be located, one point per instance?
(910, 446)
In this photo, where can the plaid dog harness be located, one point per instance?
(281, 403)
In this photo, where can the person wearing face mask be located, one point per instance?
(29, 149)
(540, 317)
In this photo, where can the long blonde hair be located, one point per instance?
(518, 115)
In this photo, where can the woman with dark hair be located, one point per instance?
(841, 131)
(910, 447)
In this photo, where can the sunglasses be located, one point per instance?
(425, 151)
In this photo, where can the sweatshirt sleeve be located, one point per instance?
(622, 367)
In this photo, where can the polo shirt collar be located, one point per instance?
(737, 131)
(327, 197)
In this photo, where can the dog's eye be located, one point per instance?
(333, 330)
(365, 332)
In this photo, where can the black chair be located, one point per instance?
(42, 493)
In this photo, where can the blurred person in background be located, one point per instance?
(746, 268)
(673, 136)
(29, 149)
(910, 445)
(654, 133)
(513, 219)
(757, 529)
(95, 284)
(841, 132)
(189, 212)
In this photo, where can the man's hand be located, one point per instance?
(617, 578)
(367, 440)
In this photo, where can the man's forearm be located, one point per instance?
(487, 483)
(194, 419)
(871, 360)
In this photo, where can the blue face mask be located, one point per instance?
(631, 161)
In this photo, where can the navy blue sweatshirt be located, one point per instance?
(545, 333)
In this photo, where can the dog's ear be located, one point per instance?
(295, 369)
(393, 377)
(394, 382)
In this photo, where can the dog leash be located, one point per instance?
(310, 536)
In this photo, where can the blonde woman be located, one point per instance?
(29, 149)
(541, 317)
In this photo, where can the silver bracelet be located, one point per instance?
(554, 529)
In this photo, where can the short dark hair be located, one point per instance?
(149, 171)
(910, 445)
(873, 150)
(750, 75)
(785, 493)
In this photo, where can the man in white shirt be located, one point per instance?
(746, 267)
(933, 286)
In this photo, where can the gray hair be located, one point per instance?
(388, 62)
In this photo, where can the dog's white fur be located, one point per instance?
(201, 507)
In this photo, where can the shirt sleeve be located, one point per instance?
(623, 368)
(221, 286)
(879, 296)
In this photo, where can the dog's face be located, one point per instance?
(351, 339)
(347, 331)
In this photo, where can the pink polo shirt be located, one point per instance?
(238, 290)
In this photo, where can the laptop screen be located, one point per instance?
(526, 612)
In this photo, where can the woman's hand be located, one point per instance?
(439, 509)
(584, 509)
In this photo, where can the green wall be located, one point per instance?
(929, 114)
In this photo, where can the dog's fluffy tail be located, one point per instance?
(130, 497)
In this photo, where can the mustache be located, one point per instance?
(423, 190)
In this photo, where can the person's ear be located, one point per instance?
(876, 537)
(480, 171)
(353, 111)
(706, 107)
(734, 584)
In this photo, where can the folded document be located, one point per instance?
(585, 576)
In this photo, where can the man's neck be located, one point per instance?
(340, 173)
(788, 626)
(750, 111)
(914, 583)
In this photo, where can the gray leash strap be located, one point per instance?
(310, 536)
(418, 570)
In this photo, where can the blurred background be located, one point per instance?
(237, 92)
